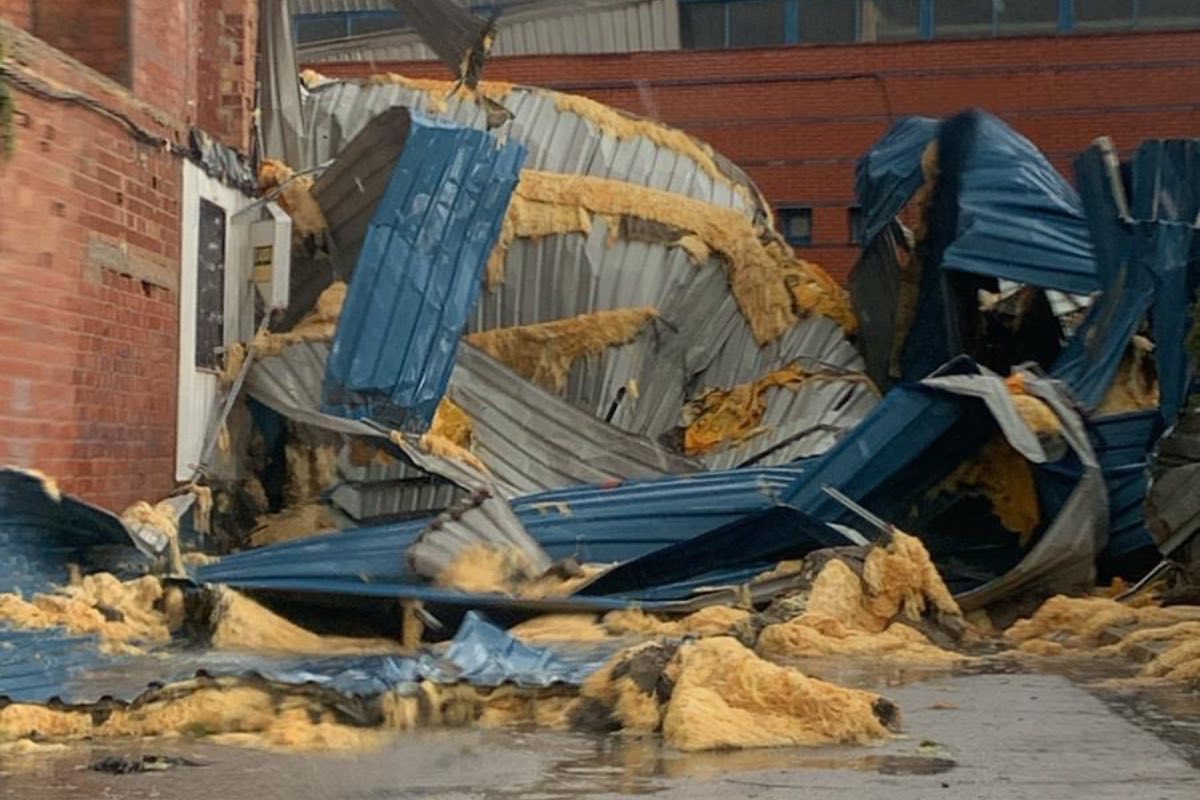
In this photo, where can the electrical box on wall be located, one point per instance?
(267, 252)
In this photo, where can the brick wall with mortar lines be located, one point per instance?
(89, 255)
(797, 118)
(89, 265)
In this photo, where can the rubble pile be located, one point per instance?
(592, 448)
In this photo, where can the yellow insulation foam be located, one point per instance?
(450, 422)
(439, 91)
(544, 352)
(711, 621)
(560, 628)
(727, 697)
(296, 522)
(318, 325)
(122, 615)
(728, 416)
(768, 281)
(244, 625)
(846, 614)
(1003, 476)
(295, 197)
(1135, 386)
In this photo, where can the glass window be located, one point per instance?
(1103, 15)
(888, 20)
(320, 28)
(854, 219)
(702, 25)
(210, 285)
(1026, 16)
(828, 20)
(756, 23)
(1168, 13)
(796, 224)
(953, 18)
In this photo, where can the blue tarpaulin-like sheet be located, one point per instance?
(419, 274)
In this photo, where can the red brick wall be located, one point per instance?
(797, 118)
(89, 254)
(95, 32)
(226, 41)
(17, 12)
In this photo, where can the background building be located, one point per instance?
(795, 91)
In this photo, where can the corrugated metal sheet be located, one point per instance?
(533, 440)
(557, 140)
(536, 442)
(351, 188)
(481, 520)
(418, 275)
(539, 27)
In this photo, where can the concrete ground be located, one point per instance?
(986, 736)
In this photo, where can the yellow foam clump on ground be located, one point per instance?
(727, 697)
(242, 624)
(846, 614)
(768, 281)
(122, 615)
(544, 352)
(711, 621)
(728, 416)
(1135, 386)
(560, 628)
(295, 196)
(297, 522)
(1003, 476)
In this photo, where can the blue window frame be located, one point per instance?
(795, 223)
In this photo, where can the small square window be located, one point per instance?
(854, 219)
(796, 224)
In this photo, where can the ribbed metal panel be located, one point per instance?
(540, 27)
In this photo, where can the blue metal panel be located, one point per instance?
(1150, 265)
(419, 274)
(1018, 218)
(890, 173)
(1123, 443)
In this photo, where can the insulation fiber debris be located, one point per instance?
(451, 423)
(440, 91)
(232, 711)
(311, 470)
(728, 416)
(318, 325)
(1002, 476)
(295, 196)
(544, 352)
(441, 446)
(560, 628)
(869, 615)
(717, 694)
(769, 282)
(711, 621)
(483, 568)
(1167, 638)
(122, 615)
(1037, 414)
(297, 522)
(1135, 386)
(242, 624)
(624, 126)
(910, 273)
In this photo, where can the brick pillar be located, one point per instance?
(226, 65)
(17, 12)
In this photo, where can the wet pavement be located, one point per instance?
(983, 735)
